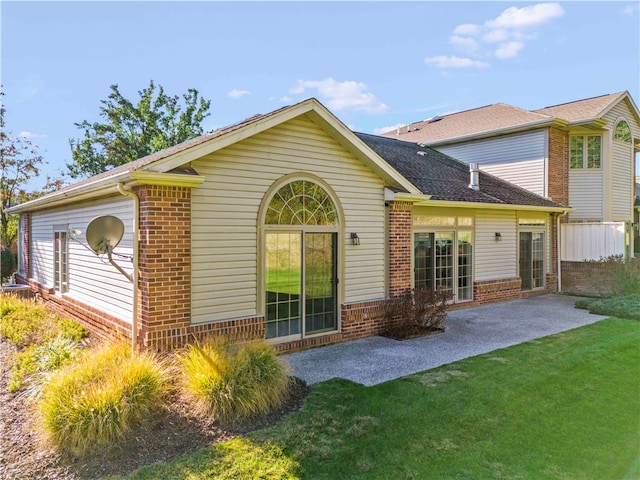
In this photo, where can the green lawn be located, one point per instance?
(563, 407)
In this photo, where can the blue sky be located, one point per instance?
(373, 64)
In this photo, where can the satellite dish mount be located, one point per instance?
(103, 235)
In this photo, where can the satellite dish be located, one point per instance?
(104, 233)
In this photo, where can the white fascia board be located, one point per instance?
(99, 188)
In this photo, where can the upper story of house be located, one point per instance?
(580, 154)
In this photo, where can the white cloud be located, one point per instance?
(631, 9)
(526, 17)
(494, 36)
(31, 135)
(467, 44)
(235, 93)
(510, 30)
(466, 29)
(443, 61)
(347, 95)
(285, 99)
(508, 50)
(381, 130)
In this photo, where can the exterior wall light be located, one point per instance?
(498, 237)
(355, 239)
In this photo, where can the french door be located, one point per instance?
(301, 284)
(531, 260)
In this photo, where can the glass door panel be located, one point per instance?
(525, 260)
(423, 260)
(537, 260)
(444, 261)
(465, 263)
(320, 282)
(283, 284)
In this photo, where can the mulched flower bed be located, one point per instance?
(406, 332)
(171, 432)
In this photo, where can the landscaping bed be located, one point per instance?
(171, 432)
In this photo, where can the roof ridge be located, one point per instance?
(581, 100)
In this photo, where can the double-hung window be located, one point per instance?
(585, 151)
(60, 259)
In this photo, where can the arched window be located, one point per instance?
(301, 225)
(301, 202)
(622, 132)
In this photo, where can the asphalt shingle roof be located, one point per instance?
(499, 116)
(445, 178)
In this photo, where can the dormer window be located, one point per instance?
(622, 132)
(585, 151)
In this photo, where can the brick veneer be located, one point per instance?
(558, 181)
(400, 244)
(164, 263)
(501, 290)
(586, 278)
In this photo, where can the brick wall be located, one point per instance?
(164, 263)
(585, 278)
(492, 291)
(558, 166)
(400, 244)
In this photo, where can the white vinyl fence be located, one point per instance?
(591, 241)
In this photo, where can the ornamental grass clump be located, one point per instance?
(96, 401)
(232, 381)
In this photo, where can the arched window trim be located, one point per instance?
(615, 130)
(287, 180)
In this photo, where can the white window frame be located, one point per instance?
(585, 152)
(61, 258)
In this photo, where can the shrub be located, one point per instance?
(34, 362)
(7, 263)
(420, 307)
(96, 401)
(232, 381)
(621, 307)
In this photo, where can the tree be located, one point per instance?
(19, 163)
(133, 131)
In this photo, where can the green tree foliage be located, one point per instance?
(131, 131)
(19, 163)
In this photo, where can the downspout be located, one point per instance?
(134, 320)
(558, 247)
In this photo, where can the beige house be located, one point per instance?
(580, 154)
(287, 226)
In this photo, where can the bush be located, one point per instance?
(96, 401)
(7, 263)
(420, 307)
(232, 381)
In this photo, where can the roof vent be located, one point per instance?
(474, 174)
(422, 153)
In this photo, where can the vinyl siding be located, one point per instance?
(622, 181)
(495, 260)
(226, 265)
(622, 161)
(585, 194)
(91, 281)
(518, 158)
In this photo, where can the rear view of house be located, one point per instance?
(286, 226)
(580, 154)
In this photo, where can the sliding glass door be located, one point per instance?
(301, 283)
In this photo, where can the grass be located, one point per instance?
(562, 407)
(233, 381)
(97, 400)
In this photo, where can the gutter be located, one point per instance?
(136, 214)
